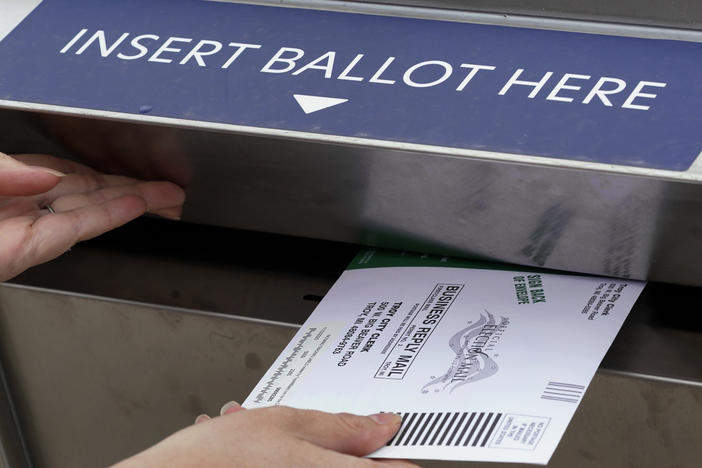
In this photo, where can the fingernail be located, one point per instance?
(386, 418)
(230, 407)
(50, 171)
(202, 418)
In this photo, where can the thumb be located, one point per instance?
(344, 432)
(17, 179)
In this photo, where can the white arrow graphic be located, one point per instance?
(311, 104)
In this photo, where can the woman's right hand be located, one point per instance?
(277, 436)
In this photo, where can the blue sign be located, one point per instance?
(585, 97)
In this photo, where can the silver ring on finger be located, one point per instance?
(51, 210)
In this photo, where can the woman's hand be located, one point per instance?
(85, 204)
(47, 205)
(275, 437)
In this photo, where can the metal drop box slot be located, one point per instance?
(279, 198)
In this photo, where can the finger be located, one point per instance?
(343, 432)
(50, 236)
(86, 183)
(26, 182)
(157, 195)
(202, 418)
(11, 207)
(17, 179)
(174, 212)
(230, 408)
(62, 165)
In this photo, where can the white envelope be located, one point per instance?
(483, 364)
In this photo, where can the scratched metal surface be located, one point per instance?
(560, 218)
(96, 380)
(674, 13)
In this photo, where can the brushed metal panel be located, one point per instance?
(13, 452)
(674, 13)
(97, 380)
(591, 221)
(280, 278)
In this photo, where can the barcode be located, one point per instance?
(559, 391)
(446, 429)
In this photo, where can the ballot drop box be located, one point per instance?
(557, 135)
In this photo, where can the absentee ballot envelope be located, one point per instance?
(483, 364)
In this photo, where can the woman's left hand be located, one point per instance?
(47, 205)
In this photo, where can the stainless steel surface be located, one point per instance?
(97, 380)
(674, 13)
(662, 338)
(200, 267)
(13, 453)
(601, 17)
(560, 218)
(281, 278)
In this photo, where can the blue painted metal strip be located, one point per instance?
(624, 101)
